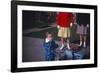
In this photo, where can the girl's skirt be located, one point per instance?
(82, 30)
(64, 32)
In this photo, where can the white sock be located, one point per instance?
(80, 43)
(84, 45)
(68, 46)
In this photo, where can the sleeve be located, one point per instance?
(45, 44)
(72, 17)
(57, 18)
(55, 45)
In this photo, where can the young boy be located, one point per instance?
(49, 46)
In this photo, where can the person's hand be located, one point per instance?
(71, 24)
(58, 26)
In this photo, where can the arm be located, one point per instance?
(54, 45)
(57, 19)
(73, 19)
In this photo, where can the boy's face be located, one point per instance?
(50, 36)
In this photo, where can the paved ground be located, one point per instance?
(33, 50)
(33, 44)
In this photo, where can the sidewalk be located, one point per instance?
(33, 50)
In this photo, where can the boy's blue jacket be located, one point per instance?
(50, 50)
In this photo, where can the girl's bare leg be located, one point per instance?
(62, 40)
(68, 46)
(81, 37)
(62, 43)
(84, 44)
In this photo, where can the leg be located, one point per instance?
(68, 46)
(84, 38)
(81, 37)
(84, 45)
(62, 43)
(46, 58)
(68, 37)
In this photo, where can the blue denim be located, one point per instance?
(69, 54)
(50, 50)
(74, 55)
(79, 55)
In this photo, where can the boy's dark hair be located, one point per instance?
(49, 33)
